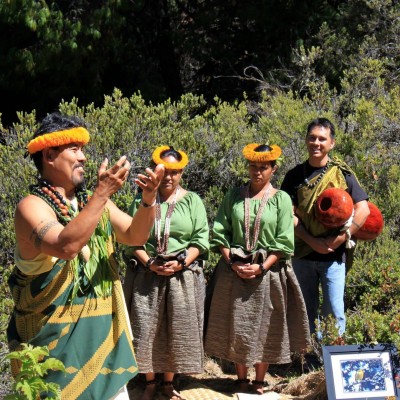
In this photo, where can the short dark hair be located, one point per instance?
(53, 122)
(325, 123)
(171, 152)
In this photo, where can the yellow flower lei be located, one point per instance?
(261, 156)
(156, 156)
(59, 138)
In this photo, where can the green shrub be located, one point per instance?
(214, 137)
(29, 383)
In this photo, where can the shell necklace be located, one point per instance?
(162, 244)
(251, 244)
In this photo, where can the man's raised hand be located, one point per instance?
(112, 179)
(150, 183)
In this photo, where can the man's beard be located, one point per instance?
(80, 183)
(78, 180)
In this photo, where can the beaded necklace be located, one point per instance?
(51, 196)
(318, 180)
(91, 268)
(162, 244)
(250, 245)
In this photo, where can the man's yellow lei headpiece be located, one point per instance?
(58, 138)
(261, 156)
(156, 156)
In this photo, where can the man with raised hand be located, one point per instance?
(66, 286)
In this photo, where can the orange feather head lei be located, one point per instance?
(261, 156)
(59, 138)
(180, 164)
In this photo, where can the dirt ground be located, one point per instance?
(287, 381)
(218, 383)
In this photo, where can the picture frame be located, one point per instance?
(355, 372)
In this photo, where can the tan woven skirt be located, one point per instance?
(256, 320)
(166, 314)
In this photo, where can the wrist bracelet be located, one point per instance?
(262, 268)
(230, 263)
(149, 262)
(183, 263)
(145, 205)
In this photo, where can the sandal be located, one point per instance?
(149, 391)
(258, 386)
(170, 392)
(242, 385)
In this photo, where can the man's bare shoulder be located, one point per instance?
(30, 206)
(31, 212)
(33, 219)
(31, 198)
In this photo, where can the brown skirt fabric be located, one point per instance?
(257, 320)
(166, 316)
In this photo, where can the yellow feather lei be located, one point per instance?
(156, 156)
(261, 156)
(59, 138)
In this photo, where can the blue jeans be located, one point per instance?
(332, 275)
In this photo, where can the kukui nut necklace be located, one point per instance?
(51, 196)
(92, 267)
(250, 245)
(318, 180)
(162, 244)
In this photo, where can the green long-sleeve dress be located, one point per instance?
(262, 319)
(167, 312)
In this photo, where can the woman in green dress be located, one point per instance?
(164, 284)
(257, 314)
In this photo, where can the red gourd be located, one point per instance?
(334, 207)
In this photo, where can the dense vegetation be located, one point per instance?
(339, 60)
(58, 49)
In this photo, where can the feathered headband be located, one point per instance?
(261, 156)
(59, 138)
(156, 156)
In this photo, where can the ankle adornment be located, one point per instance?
(166, 383)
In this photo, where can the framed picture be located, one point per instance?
(362, 372)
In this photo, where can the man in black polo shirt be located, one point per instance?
(319, 251)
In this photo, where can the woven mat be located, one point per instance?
(265, 396)
(202, 392)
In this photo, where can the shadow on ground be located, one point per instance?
(218, 383)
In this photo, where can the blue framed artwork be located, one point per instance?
(361, 372)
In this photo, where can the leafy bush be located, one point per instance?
(347, 72)
(29, 383)
(214, 137)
